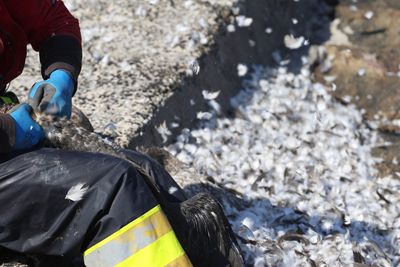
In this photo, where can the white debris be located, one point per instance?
(241, 69)
(252, 43)
(193, 67)
(141, 11)
(188, 4)
(210, 95)
(248, 222)
(243, 21)
(203, 23)
(230, 28)
(174, 125)
(347, 98)
(181, 28)
(348, 30)
(268, 30)
(76, 192)
(164, 131)
(361, 72)
(172, 190)
(292, 42)
(369, 15)
(204, 115)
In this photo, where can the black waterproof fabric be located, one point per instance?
(37, 219)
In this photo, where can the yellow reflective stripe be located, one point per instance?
(147, 241)
(181, 261)
(159, 254)
(123, 230)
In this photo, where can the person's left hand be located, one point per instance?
(57, 94)
(28, 133)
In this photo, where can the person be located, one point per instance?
(52, 31)
(68, 208)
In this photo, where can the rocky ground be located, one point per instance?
(302, 153)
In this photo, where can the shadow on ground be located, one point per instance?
(246, 45)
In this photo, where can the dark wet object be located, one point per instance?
(50, 229)
(202, 226)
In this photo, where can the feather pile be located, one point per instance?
(302, 163)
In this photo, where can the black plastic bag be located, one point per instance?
(39, 219)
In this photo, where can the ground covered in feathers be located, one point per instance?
(300, 159)
(303, 162)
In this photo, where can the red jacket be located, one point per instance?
(32, 22)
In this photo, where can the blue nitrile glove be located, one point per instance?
(27, 132)
(57, 94)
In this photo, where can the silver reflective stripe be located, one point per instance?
(118, 250)
(147, 235)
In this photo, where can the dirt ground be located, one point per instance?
(363, 67)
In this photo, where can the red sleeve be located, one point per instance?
(40, 19)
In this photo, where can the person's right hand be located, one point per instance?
(27, 132)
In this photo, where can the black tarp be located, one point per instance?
(37, 219)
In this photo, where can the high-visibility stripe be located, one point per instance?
(181, 261)
(159, 254)
(123, 229)
(150, 236)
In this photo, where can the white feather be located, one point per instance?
(164, 131)
(76, 192)
(292, 42)
(210, 95)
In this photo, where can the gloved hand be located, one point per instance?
(27, 132)
(57, 94)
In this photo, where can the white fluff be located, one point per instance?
(163, 130)
(243, 21)
(241, 70)
(369, 15)
(210, 95)
(204, 115)
(292, 42)
(76, 192)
